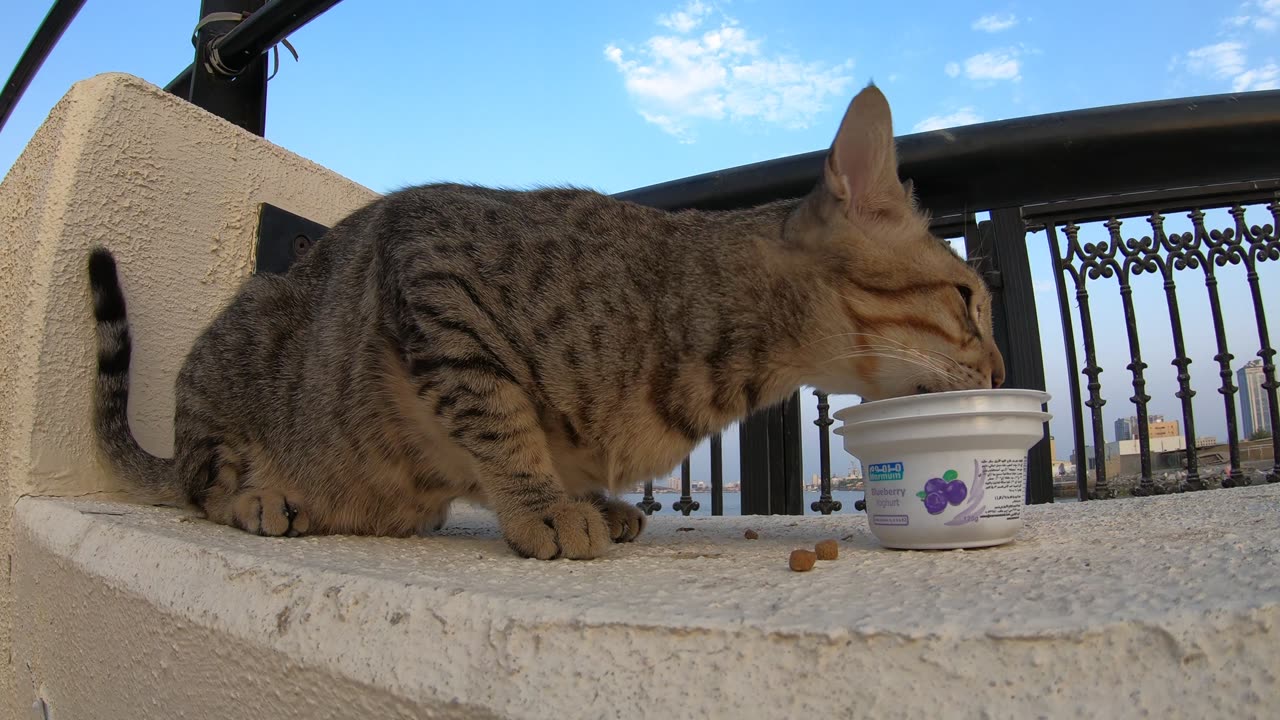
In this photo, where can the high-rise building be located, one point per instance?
(1127, 428)
(1253, 400)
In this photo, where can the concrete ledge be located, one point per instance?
(1165, 606)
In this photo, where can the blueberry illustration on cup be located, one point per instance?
(942, 491)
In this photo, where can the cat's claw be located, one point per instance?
(625, 520)
(572, 529)
(269, 513)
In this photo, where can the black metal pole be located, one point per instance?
(268, 26)
(648, 504)
(1061, 267)
(717, 475)
(753, 463)
(686, 504)
(787, 486)
(1266, 352)
(240, 99)
(824, 504)
(257, 34)
(46, 36)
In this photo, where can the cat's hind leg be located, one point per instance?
(271, 513)
(231, 497)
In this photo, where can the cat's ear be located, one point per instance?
(861, 171)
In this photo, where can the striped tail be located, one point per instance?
(148, 476)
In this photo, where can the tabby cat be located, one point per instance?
(535, 350)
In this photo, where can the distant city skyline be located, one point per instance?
(1157, 426)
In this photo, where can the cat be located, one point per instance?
(536, 350)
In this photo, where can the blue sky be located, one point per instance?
(615, 96)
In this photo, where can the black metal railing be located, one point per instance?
(1015, 171)
(1166, 255)
(991, 185)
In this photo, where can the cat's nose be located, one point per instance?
(997, 369)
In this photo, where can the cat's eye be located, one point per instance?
(966, 294)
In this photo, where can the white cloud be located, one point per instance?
(1227, 61)
(1270, 14)
(994, 65)
(680, 80)
(687, 18)
(995, 23)
(963, 116)
(1221, 60)
(952, 69)
(1266, 77)
(1263, 15)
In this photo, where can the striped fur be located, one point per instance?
(151, 477)
(536, 351)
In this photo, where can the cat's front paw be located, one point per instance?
(625, 520)
(571, 529)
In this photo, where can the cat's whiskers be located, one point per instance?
(913, 377)
(904, 350)
(907, 356)
(934, 367)
(895, 343)
(948, 361)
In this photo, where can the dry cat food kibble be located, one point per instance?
(827, 550)
(751, 535)
(803, 560)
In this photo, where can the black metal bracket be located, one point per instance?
(283, 238)
(771, 463)
(241, 99)
(1002, 246)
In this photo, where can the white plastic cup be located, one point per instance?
(945, 470)
(943, 403)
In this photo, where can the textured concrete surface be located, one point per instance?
(174, 191)
(1161, 607)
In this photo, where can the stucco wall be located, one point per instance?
(174, 192)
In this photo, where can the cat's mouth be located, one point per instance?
(922, 390)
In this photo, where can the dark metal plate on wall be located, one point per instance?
(283, 238)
